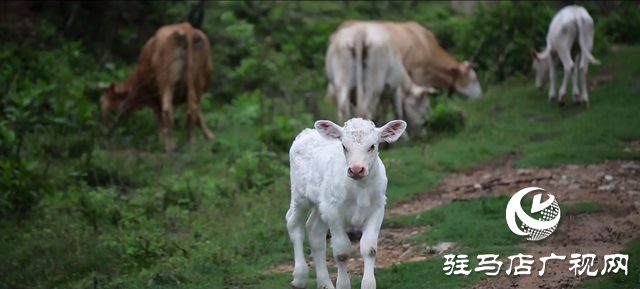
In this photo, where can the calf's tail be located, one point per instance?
(582, 41)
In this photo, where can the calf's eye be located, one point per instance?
(372, 147)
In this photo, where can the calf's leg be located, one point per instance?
(317, 230)
(369, 247)
(341, 252)
(295, 221)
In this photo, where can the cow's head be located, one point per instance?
(360, 139)
(540, 67)
(416, 105)
(466, 80)
(112, 98)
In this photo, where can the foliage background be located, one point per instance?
(83, 204)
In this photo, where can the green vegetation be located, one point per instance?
(85, 205)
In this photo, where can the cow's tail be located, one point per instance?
(192, 102)
(359, 46)
(582, 41)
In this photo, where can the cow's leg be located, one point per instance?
(552, 77)
(295, 221)
(167, 117)
(317, 230)
(584, 69)
(398, 107)
(567, 63)
(203, 126)
(193, 110)
(200, 118)
(344, 104)
(341, 252)
(157, 112)
(372, 96)
(369, 247)
(575, 90)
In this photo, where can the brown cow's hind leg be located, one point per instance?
(167, 116)
(157, 112)
(203, 125)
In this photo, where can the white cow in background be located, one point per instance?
(337, 171)
(362, 59)
(571, 30)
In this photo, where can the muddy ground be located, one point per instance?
(614, 184)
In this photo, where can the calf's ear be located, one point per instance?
(392, 131)
(328, 129)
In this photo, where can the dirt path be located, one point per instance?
(613, 184)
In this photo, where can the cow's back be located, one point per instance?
(412, 40)
(168, 50)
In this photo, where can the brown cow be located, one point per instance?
(426, 61)
(174, 67)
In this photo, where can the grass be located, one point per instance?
(232, 239)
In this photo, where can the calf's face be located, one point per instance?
(360, 139)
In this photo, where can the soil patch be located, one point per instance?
(391, 250)
(611, 182)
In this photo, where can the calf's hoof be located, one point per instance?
(561, 103)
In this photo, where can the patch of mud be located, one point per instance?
(611, 182)
(391, 251)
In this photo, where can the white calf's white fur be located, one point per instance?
(570, 26)
(364, 57)
(337, 172)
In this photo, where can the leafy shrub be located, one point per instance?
(623, 25)
(445, 119)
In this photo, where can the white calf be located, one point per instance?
(337, 171)
(569, 23)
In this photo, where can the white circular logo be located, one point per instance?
(535, 229)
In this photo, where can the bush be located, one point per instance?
(445, 119)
